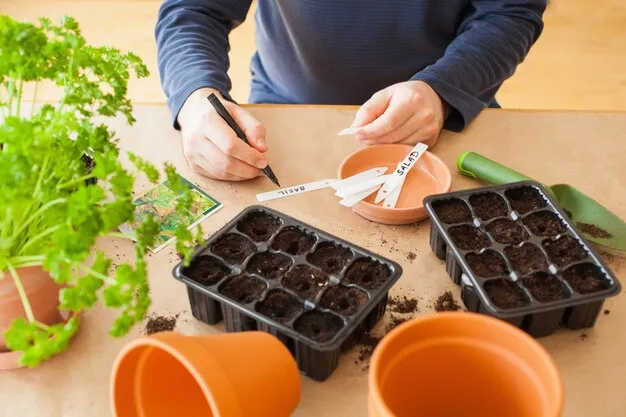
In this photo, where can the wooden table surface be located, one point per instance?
(584, 149)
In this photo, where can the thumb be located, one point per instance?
(372, 109)
(254, 130)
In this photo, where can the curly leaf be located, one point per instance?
(56, 264)
(39, 343)
(121, 184)
(84, 293)
(131, 292)
(120, 293)
(147, 231)
(146, 167)
(116, 213)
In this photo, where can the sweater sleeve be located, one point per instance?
(192, 46)
(492, 40)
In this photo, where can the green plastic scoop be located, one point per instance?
(591, 218)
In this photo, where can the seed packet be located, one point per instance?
(160, 201)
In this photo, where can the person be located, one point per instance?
(414, 66)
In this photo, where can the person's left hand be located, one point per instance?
(407, 112)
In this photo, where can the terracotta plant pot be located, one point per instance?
(429, 176)
(220, 375)
(43, 294)
(462, 364)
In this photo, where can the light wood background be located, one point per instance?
(578, 63)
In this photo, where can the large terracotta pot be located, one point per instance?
(221, 375)
(43, 294)
(462, 364)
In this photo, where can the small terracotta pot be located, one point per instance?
(462, 364)
(43, 295)
(429, 176)
(221, 375)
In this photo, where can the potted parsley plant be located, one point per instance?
(54, 205)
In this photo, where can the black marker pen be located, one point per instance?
(221, 110)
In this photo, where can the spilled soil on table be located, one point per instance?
(593, 230)
(446, 302)
(158, 323)
(399, 310)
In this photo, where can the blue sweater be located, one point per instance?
(343, 51)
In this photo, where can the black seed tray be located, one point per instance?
(296, 305)
(576, 281)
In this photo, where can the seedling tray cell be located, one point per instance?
(270, 272)
(517, 256)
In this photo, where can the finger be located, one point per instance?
(228, 177)
(200, 169)
(197, 147)
(254, 130)
(204, 167)
(220, 134)
(372, 108)
(400, 109)
(226, 164)
(428, 135)
(410, 127)
(212, 172)
(414, 140)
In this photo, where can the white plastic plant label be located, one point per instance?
(296, 189)
(392, 198)
(348, 131)
(358, 178)
(355, 198)
(361, 186)
(401, 170)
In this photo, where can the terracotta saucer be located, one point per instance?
(429, 176)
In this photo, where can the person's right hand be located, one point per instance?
(212, 148)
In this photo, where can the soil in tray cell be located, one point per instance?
(507, 231)
(545, 287)
(269, 265)
(468, 237)
(525, 199)
(526, 258)
(305, 281)
(343, 300)
(330, 258)
(506, 294)
(243, 288)
(488, 264)
(586, 278)
(293, 241)
(259, 226)
(233, 248)
(544, 223)
(206, 270)
(488, 206)
(452, 211)
(318, 326)
(367, 273)
(280, 305)
(564, 251)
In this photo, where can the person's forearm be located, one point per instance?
(491, 42)
(192, 46)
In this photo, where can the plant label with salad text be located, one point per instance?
(401, 170)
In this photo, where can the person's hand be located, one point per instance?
(407, 112)
(212, 148)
